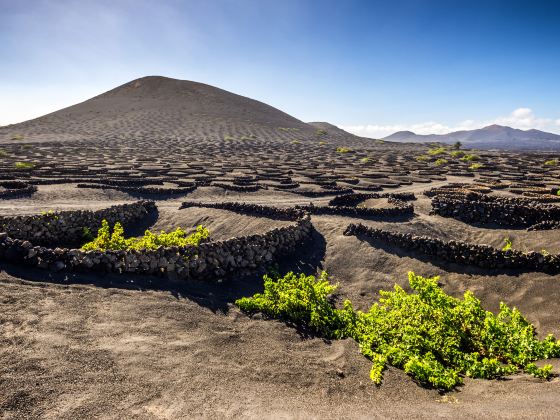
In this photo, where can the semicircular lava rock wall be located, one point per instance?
(210, 260)
(292, 213)
(53, 228)
(15, 189)
(503, 211)
(149, 190)
(288, 213)
(483, 256)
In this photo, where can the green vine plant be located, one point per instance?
(435, 338)
(114, 239)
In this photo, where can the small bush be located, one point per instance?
(422, 158)
(507, 245)
(17, 137)
(365, 160)
(229, 138)
(3, 153)
(249, 137)
(551, 162)
(469, 158)
(343, 150)
(434, 337)
(87, 235)
(320, 133)
(440, 162)
(296, 142)
(322, 143)
(457, 153)
(437, 151)
(24, 165)
(475, 166)
(115, 240)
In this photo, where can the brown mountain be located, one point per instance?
(161, 106)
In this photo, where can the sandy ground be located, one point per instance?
(76, 346)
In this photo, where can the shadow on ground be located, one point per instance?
(215, 295)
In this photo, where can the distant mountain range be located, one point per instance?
(490, 137)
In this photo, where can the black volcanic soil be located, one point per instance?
(87, 346)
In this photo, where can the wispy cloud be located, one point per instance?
(522, 118)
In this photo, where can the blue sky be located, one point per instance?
(373, 67)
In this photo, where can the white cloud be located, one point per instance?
(522, 118)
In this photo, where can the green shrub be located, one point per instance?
(434, 337)
(24, 165)
(17, 137)
(507, 245)
(457, 153)
(322, 143)
(343, 150)
(296, 142)
(468, 158)
(365, 160)
(3, 153)
(440, 162)
(380, 141)
(249, 137)
(115, 240)
(87, 235)
(437, 151)
(475, 166)
(228, 138)
(422, 158)
(551, 162)
(321, 133)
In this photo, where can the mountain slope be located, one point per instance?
(492, 136)
(157, 105)
(331, 129)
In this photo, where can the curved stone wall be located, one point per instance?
(14, 189)
(504, 211)
(457, 189)
(350, 200)
(483, 256)
(400, 209)
(207, 261)
(238, 188)
(141, 189)
(294, 213)
(53, 228)
(289, 213)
